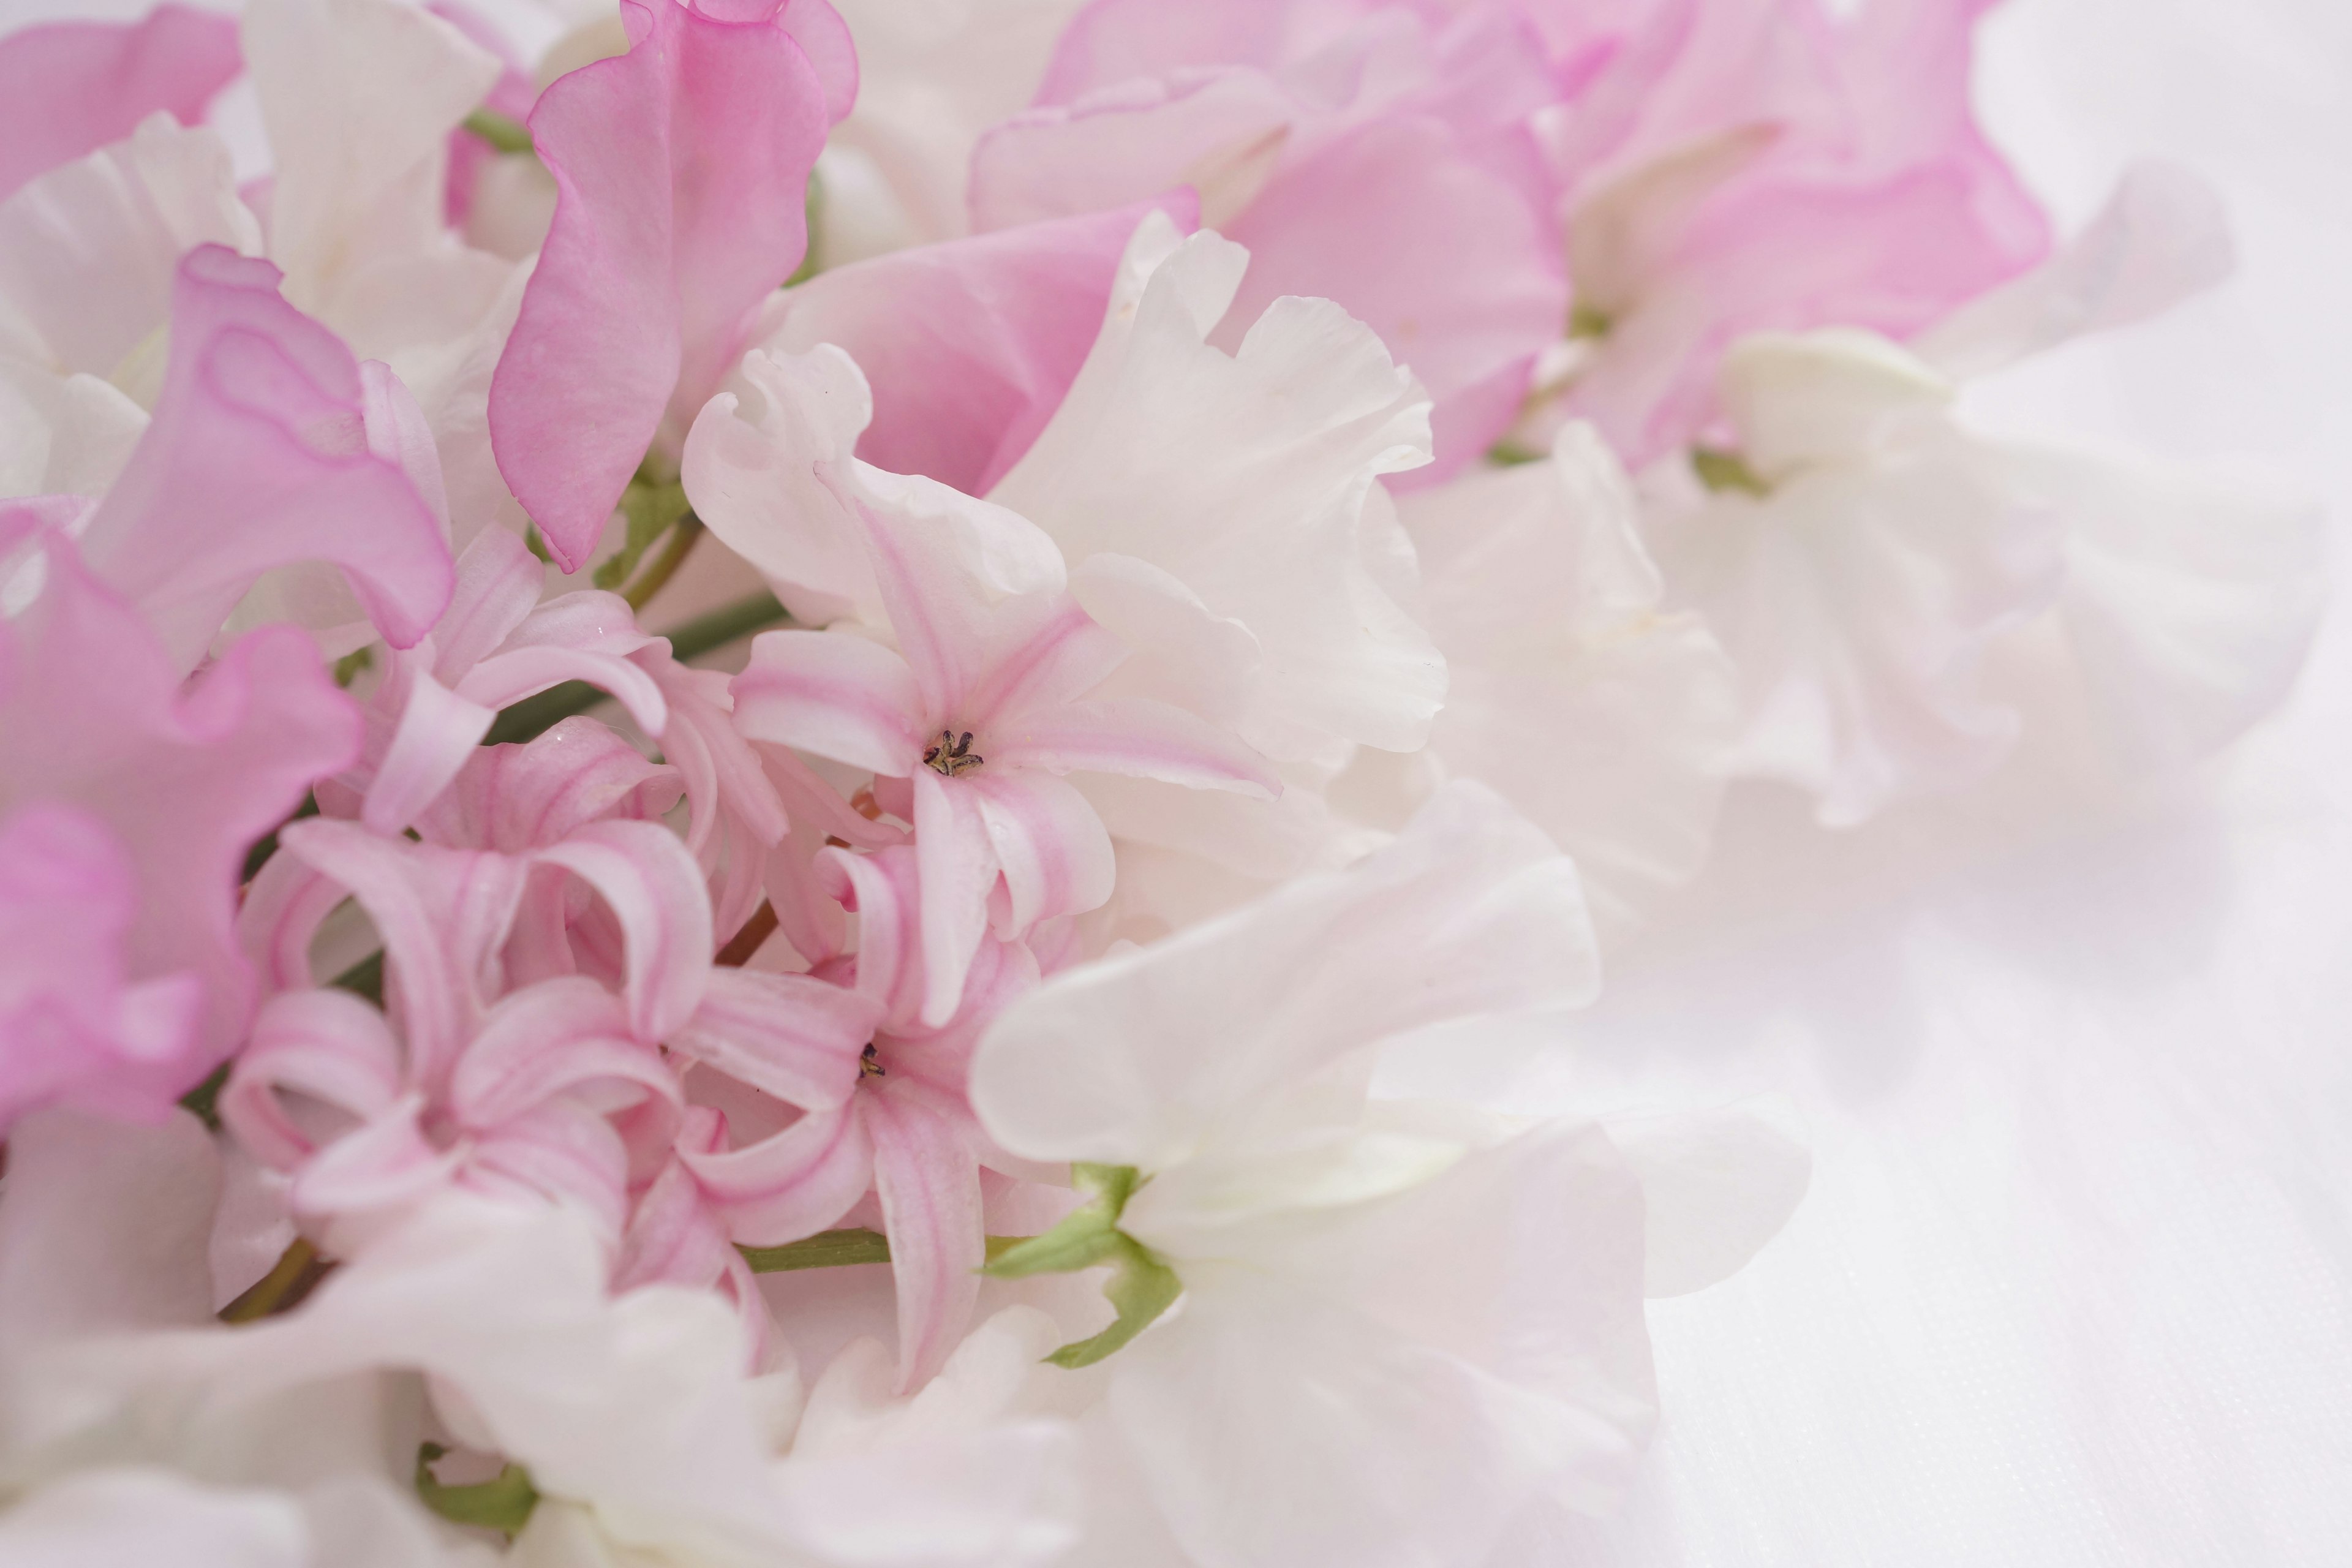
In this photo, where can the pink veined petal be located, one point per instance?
(673, 1238)
(721, 773)
(507, 678)
(437, 733)
(258, 458)
(1054, 852)
(383, 1163)
(324, 1045)
(883, 890)
(514, 799)
(564, 1039)
(681, 169)
(443, 915)
(792, 1185)
(654, 889)
(956, 852)
(935, 609)
(557, 1149)
(497, 584)
(791, 1035)
(68, 88)
(1042, 651)
(970, 345)
(928, 1183)
(833, 694)
(279, 917)
(1137, 736)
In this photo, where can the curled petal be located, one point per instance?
(325, 1045)
(655, 890)
(514, 799)
(567, 1038)
(1052, 847)
(793, 1184)
(69, 88)
(834, 695)
(791, 1035)
(384, 1163)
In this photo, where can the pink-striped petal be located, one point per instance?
(1053, 850)
(834, 695)
(935, 608)
(791, 1035)
(564, 1039)
(279, 917)
(792, 1184)
(883, 889)
(1042, 651)
(258, 458)
(681, 169)
(557, 1150)
(1135, 736)
(655, 890)
(437, 733)
(930, 1187)
(324, 1045)
(384, 1163)
(515, 799)
(497, 586)
(956, 855)
(68, 88)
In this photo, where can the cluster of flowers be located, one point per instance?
(1268, 525)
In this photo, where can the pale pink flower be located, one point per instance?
(127, 803)
(974, 719)
(1375, 155)
(682, 167)
(68, 88)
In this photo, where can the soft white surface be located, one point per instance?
(2073, 1283)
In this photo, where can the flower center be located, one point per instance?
(869, 1065)
(951, 754)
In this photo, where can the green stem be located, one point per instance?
(682, 537)
(502, 131)
(535, 716)
(503, 1502)
(297, 1270)
(842, 1249)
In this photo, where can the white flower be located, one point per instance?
(1401, 1323)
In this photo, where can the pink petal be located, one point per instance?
(792, 1185)
(324, 1045)
(515, 799)
(935, 607)
(561, 1038)
(1043, 649)
(279, 917)
(653, 887)
(954, 847)
(791, 1035)
(258, 458)
(681, 169)
(883, 890)
(68, 88)
(386, 1163)
(443, 915)
(930, 1185)
(970, 345)
(588, 636)
(556, 1150)
(1055, 855)
(437, 732)
(724, 781)
(185, 776)
(834, 695)
(1135, 736)
(497, 587)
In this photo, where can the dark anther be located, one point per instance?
(951, 753)
(869, 1065)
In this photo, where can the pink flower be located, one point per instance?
(272, 446)
(884, 1109)
(1737, 167)
(683, 169)
(971, 722)
(127, 803)
(68, 88)
(1375, 155)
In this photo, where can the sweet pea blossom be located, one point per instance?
(127, 803)
(1465, 1298)
(70, 88)
(1872, 548)
(1357, 152)
(663, 244)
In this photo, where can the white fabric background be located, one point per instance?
(2073, 1283)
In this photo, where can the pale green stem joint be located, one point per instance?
(1140, 1287)
(503, 1502)
(1720, 471)
(503, 133)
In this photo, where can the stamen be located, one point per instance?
(951, 754)
(869, 1065)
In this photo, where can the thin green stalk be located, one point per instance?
(682, 537)
(503, 133)
(842, 1249)
(297, 1271)
(535, 716)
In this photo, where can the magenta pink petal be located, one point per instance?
(68, 88)
(928, 1183)
(681, 169)
(834, 695)
(257, 458)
